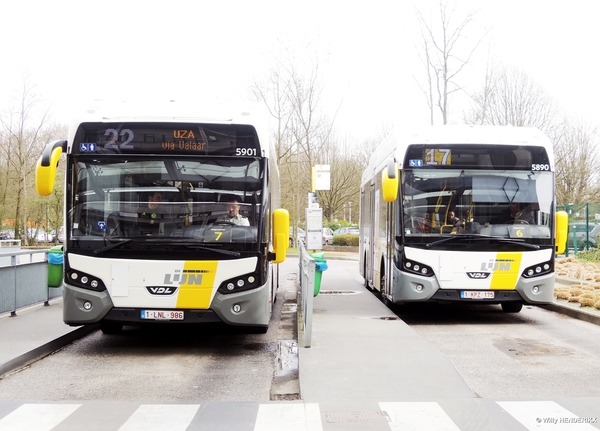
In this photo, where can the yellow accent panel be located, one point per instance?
(507, 271)
(194, 293)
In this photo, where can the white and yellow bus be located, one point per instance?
(461, 214)
(181, 259)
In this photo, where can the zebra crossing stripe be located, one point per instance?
(288, 417)
(150, 417)
(544, 415)
(423, 416)
(37, 417)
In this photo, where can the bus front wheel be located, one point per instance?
(109, 327)
(512, 307)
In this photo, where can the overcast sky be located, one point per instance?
(76, 51)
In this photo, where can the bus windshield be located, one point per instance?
(499, 203)
(172, 200)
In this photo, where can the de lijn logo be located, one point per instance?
(187, 276)
(497, 265)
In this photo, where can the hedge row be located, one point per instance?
(346, 240)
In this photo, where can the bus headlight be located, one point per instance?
(239, 284)
(86, 281)
(537, 270)
(416, 268)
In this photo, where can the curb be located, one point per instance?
(45, 349)
(586, 316)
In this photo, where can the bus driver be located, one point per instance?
(233, 212)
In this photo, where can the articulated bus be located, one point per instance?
(461, 214)
(181, 259)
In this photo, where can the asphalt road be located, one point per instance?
(532, 354)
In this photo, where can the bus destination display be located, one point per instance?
(137, 138)
(470, 156)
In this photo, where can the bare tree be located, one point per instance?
(511, 97)
(293, 98)
(577, 160)
(24, 132)
(443, 55)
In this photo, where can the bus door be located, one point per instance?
(370, 234)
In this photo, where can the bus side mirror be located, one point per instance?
(562, 230)
(389, 182)
(281, 232)
(45, 170)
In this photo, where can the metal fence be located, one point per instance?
(23, 278)
(306, 271)
(584, 226)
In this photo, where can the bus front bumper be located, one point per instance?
(414, 288)
(251, 307)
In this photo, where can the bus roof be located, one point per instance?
(172, 111)
(396, 143)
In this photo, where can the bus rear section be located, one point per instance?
(168, 221)
(462, 214)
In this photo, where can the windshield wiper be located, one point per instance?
(196, 245)
(218, 250)
(475, 237)
(191, 244)
(111, 246)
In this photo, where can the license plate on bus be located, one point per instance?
(477, 294)
(162, 314)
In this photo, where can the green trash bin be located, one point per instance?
(55, 266)
(320, 266)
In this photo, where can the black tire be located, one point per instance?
(511, 307)
(110, 327)
(366, 282)
(256, 329)
(382, 292)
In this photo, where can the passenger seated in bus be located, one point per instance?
(452, 219)
(233, 212)
(424, 224)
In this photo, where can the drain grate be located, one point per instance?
(339, 292)
(289, 307)
(344, 417)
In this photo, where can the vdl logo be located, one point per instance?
(478, 275)
(161, 290)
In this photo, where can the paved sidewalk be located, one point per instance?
(362, 353)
